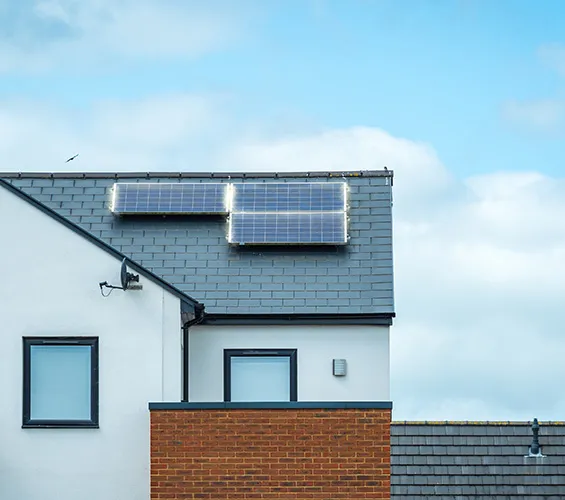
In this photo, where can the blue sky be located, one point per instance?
(442, 71)
(463, 99)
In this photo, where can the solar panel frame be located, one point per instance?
(287, 228)
(289, 197)
(288, 213)
(138, 198)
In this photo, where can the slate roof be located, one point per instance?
(187, 301)
(476, 460)
(192, 252)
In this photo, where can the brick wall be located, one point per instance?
(270, 453)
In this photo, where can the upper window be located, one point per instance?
(60, 382)
(260, 375)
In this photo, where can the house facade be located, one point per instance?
(279, 385)
(78, 368)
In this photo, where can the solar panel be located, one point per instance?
(317, 228)
(289, 197)
(169, 198)
(310, 213)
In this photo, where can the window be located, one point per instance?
(60, 382)
(260, 375)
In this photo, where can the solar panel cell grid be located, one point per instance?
(289, 197)
(169, 198)
(288, 213)
(288, 228)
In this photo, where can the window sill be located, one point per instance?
(60, 425)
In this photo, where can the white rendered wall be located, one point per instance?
(366, 349)
(49, 287)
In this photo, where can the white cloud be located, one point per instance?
(82, 34)
(480, 263)
(545, 115)
(419, 172)
(161, 133)
(480, 303)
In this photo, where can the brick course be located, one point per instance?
(270, 453)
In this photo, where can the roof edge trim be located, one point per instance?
(292, 405)
(189, 175)
(494, 423)
(376, 319)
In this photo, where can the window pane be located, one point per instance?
(260, 378)
(60, 382)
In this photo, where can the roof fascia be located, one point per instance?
(376, 319)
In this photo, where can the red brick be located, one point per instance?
(270, 454)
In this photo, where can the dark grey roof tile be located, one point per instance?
(482, 461)
(368, 256)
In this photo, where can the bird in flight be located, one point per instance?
(71, 158)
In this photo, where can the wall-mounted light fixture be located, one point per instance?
(339, 367)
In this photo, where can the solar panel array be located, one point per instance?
(311, 213)
(288, 213)
(169, 198)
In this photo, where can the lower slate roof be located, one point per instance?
(476, 460)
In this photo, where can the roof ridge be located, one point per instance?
(474, 422)
(188, 175)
